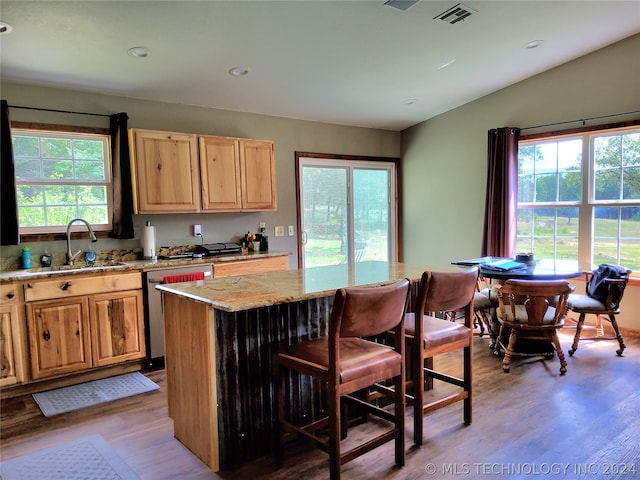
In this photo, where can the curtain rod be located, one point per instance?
(583, 120)
(60, 111)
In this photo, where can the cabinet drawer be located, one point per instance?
(70, 286)
(8, 293)
(247, 267)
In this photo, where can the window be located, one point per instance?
(579, 197)
(61, 176)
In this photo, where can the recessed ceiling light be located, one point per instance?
(445, 64)
(238, 71)
(533, 44)
(5, 28)
(139, 52)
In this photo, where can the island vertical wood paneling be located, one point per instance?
(245, 344)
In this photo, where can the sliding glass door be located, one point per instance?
(347, 211)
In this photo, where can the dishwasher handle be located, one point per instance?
(158, 280)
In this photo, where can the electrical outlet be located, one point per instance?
(291, 231)
(197, 230)
(279, 230)
(263, 225)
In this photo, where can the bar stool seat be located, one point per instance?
(344, 362)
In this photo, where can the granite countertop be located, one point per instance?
(126, 265)
(234, 294)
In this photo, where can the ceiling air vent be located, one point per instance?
(401, 4)
(455, 14)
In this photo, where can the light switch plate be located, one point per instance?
(279, 231)
(291, 231)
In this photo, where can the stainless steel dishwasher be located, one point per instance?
(153, 308)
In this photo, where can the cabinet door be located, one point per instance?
(58, 336)
(220, 173)
(166, 170)
(11, 351)
(117, 327)
(258, 173)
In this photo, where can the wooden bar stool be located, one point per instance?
(429, 336)
(345, 362)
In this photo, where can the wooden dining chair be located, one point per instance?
(525, 307)
(345, 362)
(429, 336)
(605, 307)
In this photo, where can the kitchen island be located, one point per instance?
(220, 336)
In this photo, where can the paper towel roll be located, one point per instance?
(149, 241)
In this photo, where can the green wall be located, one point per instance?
(444, 159)
(289, 136)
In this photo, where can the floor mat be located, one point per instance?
(89, 458)
(66, 399)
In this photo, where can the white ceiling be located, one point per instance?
(346, 62)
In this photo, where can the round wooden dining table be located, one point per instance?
(543, 269)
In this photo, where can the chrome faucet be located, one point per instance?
(72, 256)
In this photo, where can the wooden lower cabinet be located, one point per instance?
(117, 327)
(59, 341)
(12, 367)
(84, 330)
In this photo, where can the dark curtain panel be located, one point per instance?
(122, 221)
(8, 203)
(500, 222)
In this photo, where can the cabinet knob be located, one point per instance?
(65, 286)
(10, 295)
(46, 335)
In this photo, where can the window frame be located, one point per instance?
(587, 203)
(43, 233)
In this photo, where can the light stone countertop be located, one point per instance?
(128, 265)
(233, 294)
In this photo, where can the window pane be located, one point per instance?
(28, 168)
(325, 215)
(631, 184)
(24, 146)
(525, 189)
(570, 155)
(61, 215)
(31, 216)
(371, 215)
(607, 184)
(567, 224)
(90, 170)
(88, 150)
(526, 156)
(570, 187)
(57, 169)
(56, 148)
(546, 188)
(60, 195)
(30, 195)
(94, 214)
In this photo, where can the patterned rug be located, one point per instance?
(89, 458)
(66, 399)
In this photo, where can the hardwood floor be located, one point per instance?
(530, 423)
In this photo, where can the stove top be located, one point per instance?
(212, 249)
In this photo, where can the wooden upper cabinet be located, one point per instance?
(165, 171)
(220, 174)
(258, 174)
(184, 173)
